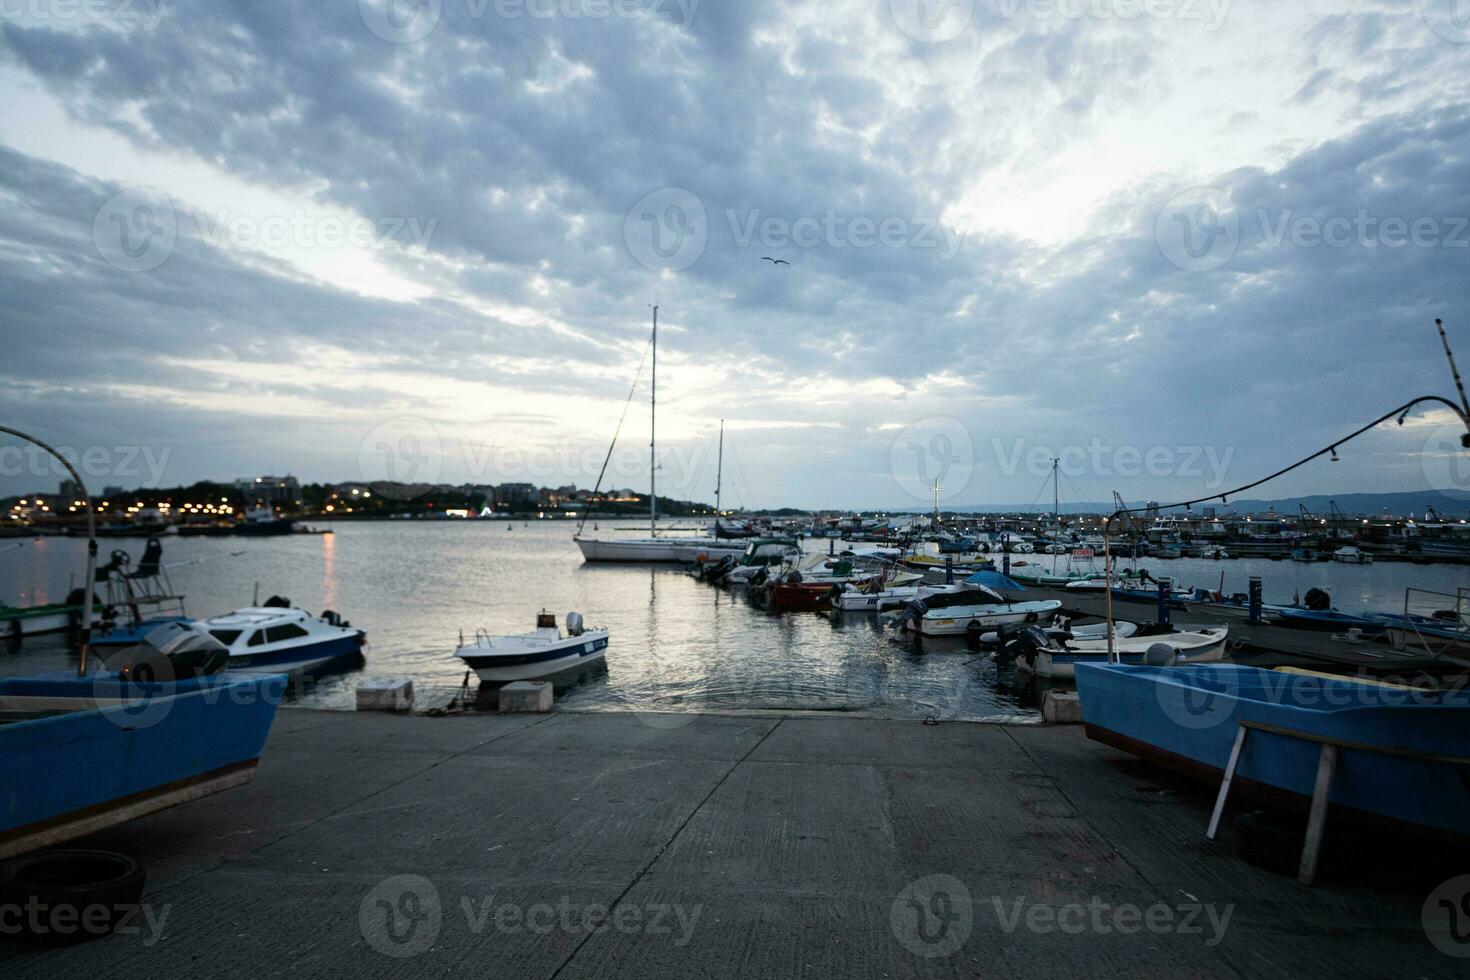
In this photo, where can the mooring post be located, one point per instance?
(1255, 599)
(1164, 587)
(949, 569)
(1005, 553)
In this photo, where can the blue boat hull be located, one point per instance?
(329, 656)
(85, 768)
(1187, 717)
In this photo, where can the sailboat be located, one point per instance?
(656, 548)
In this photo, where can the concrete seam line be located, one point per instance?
(643, 873)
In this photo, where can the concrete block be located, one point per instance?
(1062, 708)
(385, 694)
(526, 696)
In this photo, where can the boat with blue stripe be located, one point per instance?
(542, 653)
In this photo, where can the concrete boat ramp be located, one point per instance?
(623, 845)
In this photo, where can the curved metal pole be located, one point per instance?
(87, 583)
(1402, 412)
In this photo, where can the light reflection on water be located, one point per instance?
(677, 644)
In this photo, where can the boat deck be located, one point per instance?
(753, 846)
(1265, 645)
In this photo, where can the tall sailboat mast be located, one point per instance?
(719, 475)
(653, 436)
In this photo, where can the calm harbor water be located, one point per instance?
(677, 644)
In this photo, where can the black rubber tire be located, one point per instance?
(66, 886)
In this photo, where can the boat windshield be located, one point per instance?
(227, 637)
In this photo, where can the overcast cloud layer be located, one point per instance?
(360, 239)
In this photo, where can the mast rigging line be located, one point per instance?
(612, 445)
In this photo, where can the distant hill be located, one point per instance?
(1398, 503)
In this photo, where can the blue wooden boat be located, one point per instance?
(78, 754)
(1403, 756)
(1324, 620)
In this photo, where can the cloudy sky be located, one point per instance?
(1174, 243)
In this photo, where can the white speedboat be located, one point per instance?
(855, 599)
(540, 654)
(1047, 656)
(285, 639)
(966, 607)
(1352, 555)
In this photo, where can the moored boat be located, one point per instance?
(542, 653)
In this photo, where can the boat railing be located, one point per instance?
(1431, 631)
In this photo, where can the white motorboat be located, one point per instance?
(1062, 628)
(1352, 555)
(286, 639)
(542, 653)
(855, 599)
(967, 607)
(1047, 656)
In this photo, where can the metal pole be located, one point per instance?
(719, 477)
(87, 581)
(653, 436)
(1108, 578)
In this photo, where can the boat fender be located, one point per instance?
(14, 630)
(1031, 617)
(1160, 655)
(73, 879)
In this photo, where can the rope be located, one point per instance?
(610, 446)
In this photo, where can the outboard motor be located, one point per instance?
(1024, 643)
(278, 602)
(574, 624)
(173, 652)
(1318, 600)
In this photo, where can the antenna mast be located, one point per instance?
(653, 436)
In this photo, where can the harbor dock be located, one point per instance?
(609, 845)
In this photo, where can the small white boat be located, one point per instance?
(855, 599)
(1046, 656)
(1352, 555)
(1062, 628)
(282, 638)
(537, 655)
(957, 610)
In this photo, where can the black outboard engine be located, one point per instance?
(1024, 643)
(277, 602)
(173, 652)
(1317, 599)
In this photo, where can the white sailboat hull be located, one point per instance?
(665, 550)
